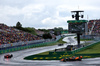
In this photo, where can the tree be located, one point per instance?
(57, 31)
(44, 30)
(18, 25)
(47, 36)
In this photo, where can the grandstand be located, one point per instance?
(93, 30)
(11, 35)
(94, 27)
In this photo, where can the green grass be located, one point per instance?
(44, 53)
(58, 42)
(91, 50)
(55, 43)
(85, 39)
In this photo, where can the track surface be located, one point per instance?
(18, 60)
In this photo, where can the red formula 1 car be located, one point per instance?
(72, 59)
(8, 56)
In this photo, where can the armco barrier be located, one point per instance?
(25, 45)
(16, 48)
(29, 42)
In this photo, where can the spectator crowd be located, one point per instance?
(96, 28)
(11, 35)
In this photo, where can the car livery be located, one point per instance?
(8, 56)
(72, 59)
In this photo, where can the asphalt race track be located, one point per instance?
(17, 59)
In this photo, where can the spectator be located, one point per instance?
(11, 35)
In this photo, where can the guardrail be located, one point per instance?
(29, 42)
(16, 48)
(26, 46)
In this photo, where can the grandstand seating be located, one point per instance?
(11, 35)
(96, 28)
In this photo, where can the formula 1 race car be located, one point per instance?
(72, 59)
(8, 56)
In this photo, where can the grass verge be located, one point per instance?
(44, 53)
(91, 50)
(56, 43)
(86, 39)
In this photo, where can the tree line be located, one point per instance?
(46, 35)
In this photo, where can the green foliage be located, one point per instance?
(86, 39)
(26, 29)
(47, 36)
(30, 30)
(18, 25)
(64, 31)
(44, 30)
(57, 31)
